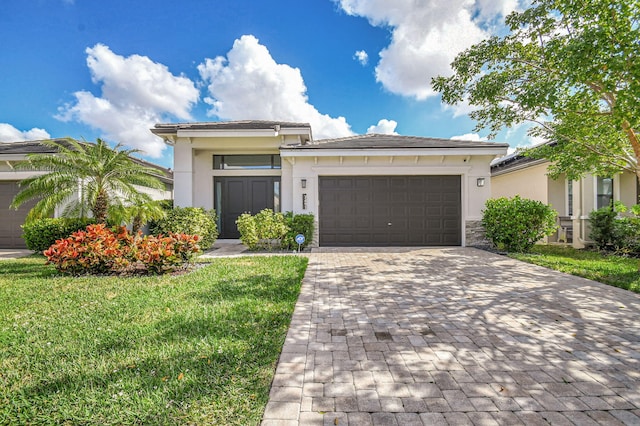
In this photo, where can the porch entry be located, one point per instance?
(236, 195)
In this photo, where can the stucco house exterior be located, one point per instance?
(363, 190)
(11, 220)
(516, 174)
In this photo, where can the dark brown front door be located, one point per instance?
(236, 195)
(390, 211)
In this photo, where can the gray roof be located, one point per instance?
(516, 160)
(27, 147)
(380, 141)
(511, 160)
(161, 128)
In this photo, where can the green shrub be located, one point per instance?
(248, 230)
(516, 224)
(602, 226)
(626, 235)
(264, 231)
(166, 205)
(611, 232)
(298, 224)
(40, 234)
(191, 221)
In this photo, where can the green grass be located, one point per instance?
(199, 348)
(613, 270)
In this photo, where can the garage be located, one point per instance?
(10, 230)
(390, 210)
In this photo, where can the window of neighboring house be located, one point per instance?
(246, 162)
(569, 197)
(604, 194)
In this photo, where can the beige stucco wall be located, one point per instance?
(557, 195)
(529, 182)
(627, 189)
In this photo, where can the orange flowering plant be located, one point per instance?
(101, 250)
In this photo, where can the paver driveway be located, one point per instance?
(455, 336)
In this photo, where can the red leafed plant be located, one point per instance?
(101, 250)
(166, 254)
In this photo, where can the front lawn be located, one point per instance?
(613, 270)
(198, 348)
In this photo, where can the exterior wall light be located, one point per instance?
(480, 182)
(303, 183)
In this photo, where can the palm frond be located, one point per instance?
(78, 172)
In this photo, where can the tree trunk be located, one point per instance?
(635, 144)
(136, 225)
(100, 207)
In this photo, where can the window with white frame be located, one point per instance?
(604, 192)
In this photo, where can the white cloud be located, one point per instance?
(385, 127)
(249, 84)
(361, 56)
(425, 37)
(136, 94)
(9, 133)
(470, 137)
(460, 109)
(490, 10)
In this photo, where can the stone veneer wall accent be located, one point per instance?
(316, 235)
(475, 234)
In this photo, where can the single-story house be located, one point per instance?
(12, 153)
(363, 190)
(516, 174)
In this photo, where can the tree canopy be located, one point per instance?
(85, 177)
(570, 67)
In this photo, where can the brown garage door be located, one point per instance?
(10, 219)
(390, 211)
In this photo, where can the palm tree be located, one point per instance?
(138, 214)
(84, 177)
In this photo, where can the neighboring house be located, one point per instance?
(15, 152)
(516, 174)
(363, 190)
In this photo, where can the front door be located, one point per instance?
(236, 195)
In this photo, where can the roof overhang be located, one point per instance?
(296, 152)
(497, 170)
(170, 133)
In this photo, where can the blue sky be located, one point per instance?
(112, 69)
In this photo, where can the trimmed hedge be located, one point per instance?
(516, 224)
(191, 221)
(602, 226)
(610, 231)
(40, 234)
(298, 224)
(268, 230)
(264, 231)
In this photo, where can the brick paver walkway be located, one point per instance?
(455, 336)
